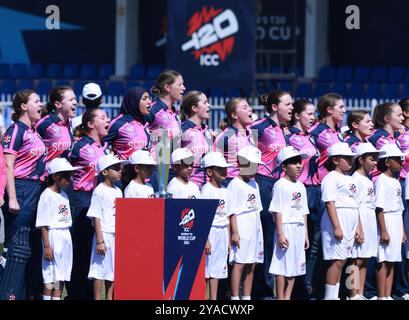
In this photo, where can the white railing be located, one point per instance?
(111, 106)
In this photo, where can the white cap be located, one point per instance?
(288, 153)
(391, 150)
(142, 157)
(344, 129)
(251, 153)
(365, 148)
(180, 154)
(91, 91)
(108, 160)
(340, 149)
(60, 165)
(215, 159)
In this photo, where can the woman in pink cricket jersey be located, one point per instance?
(388, 120)
(196, 136)
(360, 128)
(24, 153)
(54, 127)
(128, 132)
(270, 140)
(85, 154)
(332, 109)
(236, 135)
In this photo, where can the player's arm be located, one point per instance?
(9, 159)
(48, 253)
(235, 238)
(281, 238)
(332, 213)
(100, 247)
(307, 241)
(382, 226)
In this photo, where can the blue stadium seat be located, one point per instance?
(4, 70)
(321, 88)
(62, 82)
(71, 71)
(44, 86)
(116, 87)
(286, 86)
(25, 84)
(7, 86)
(327, 74)
(233, 93)
(217, 92)
(35, 71)
(344, 74)
(299, 70)
(304, 90)
(356, 90)
(396, 75)
(131, 84)
(88, 71)
(105, 71)
(77, 86)
(391, 91)
(137, 72)
(18, 70)
(153, 71)
(102, 85)
(361, 74)
(340, 88)
(378, 75)
(148, 85)
(404, 93)
(53, 71)
(276, 69)
(374, 90)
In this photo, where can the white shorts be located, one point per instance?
(251, 239)
(289, 262)
(102, 266)
(391, 252)
(332, 248)
(59, 269)
(369, 248)
(216, 262)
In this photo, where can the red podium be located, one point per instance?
(159, 252)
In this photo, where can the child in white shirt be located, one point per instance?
(180, 187)
(218, 244)
(102, 213)
(140, 169)
(54, 220)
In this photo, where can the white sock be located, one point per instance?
(331, 292)
(55, 298)
(235, 298)
(337, 292)
(46, 297)
(246, 298)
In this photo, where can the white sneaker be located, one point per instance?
(405, 296)
(355, 297)
(362, 297)
(374, 298)
(389, 298)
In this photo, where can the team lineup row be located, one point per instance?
(40, 135)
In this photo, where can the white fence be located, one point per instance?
(111, 106)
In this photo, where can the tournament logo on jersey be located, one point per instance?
(251, 201)
(187, 219)
(398, 192)
(63, 210)
(220, 209)
(6, 139)
(370, 192)
(352, 188)
(296, 200)
(212, 35)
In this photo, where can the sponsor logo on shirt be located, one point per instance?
(398, 192)
(251, 201)
(296, 200)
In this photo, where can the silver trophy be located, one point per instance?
(162, 151)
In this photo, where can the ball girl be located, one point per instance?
(340, 222)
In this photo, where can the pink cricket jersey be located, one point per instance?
(127, 135)
(2, 173)
(28, 148)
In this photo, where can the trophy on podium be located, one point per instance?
(162, 151)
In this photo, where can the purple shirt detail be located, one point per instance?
(271, 140)
(324, 137)
(305, 144)
(28, 148)
(229, 142)
(198, 140)
(127, 135)
(85, 154)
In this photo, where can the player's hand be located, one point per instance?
(404, 238)
(359, 235)
(101, 249)
(385, 237)
(208, 248)
(48, 254)
(282, 241)
(229, 248)
(14, 207)
(235, 240)
(338, 234)
(306, 243)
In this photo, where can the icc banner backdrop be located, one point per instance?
(212, 43)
